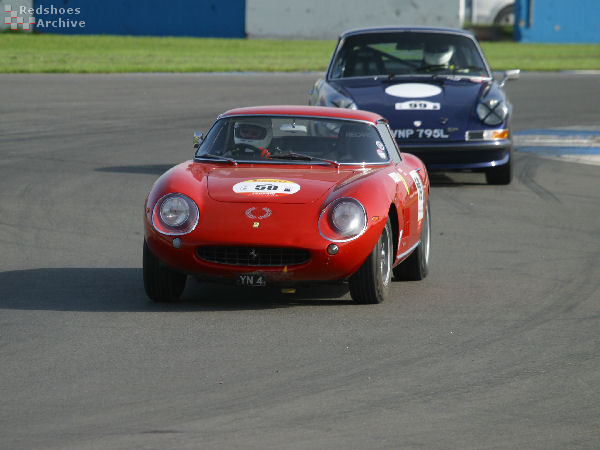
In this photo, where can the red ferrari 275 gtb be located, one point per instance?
(286, 195)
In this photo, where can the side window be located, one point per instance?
(216, 140)
(389, 142)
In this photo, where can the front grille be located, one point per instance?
(253, 256)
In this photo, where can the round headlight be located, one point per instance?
(492, 111)
(332, 97)
(343, 102)
(176, 214)
(347, 217)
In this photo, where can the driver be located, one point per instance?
(438, 54)
(252, 135)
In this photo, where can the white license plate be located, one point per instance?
(421, 133)
(251, 279)
(417, 105)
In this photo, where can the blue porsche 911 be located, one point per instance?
(435, 88)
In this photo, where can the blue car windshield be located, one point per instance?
(293, 140)
(408, 53)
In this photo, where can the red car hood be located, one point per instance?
(274, 185)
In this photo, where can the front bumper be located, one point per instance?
(461, 155)
(319, 266)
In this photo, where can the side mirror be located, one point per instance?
(198, 137)
(513, 74)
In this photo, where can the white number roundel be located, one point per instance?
(413, 90)
(266, 186)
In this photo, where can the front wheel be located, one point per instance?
(162, 284)
(371, 282)
(416, 266)
(500, 174)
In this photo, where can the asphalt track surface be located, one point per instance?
(498, 348)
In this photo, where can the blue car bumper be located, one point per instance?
(461, 155)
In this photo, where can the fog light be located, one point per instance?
(332, 249)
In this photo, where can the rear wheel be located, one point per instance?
(416, 266)
(162, 284)
(371, 282)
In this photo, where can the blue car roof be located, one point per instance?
(406, 29)
(395, 29)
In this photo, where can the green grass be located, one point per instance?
(38, 53)
(544, 57)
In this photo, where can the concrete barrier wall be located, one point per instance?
(326, 19)
(558, 21)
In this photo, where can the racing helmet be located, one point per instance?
(254, 131)
(438, 54)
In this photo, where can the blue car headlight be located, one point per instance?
(332, 97)
(492, 111)
(341, 101)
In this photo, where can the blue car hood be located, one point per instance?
(441, 103)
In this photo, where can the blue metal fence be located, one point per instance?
(560, 21)
(205, 18)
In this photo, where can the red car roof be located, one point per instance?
(315, 111)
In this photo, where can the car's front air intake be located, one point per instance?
(253, 256)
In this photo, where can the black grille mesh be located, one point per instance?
(253, 256)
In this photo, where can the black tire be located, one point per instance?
(505, 17)
(371, 282)
(416, 266)
(501, 174)
(162, 284)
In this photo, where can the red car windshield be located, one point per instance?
(295, 140)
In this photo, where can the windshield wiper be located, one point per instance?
(466, 70)
(394, 76)
(434, 70)
(218, 157)
(302, 156)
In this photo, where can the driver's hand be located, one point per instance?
(264, 152)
